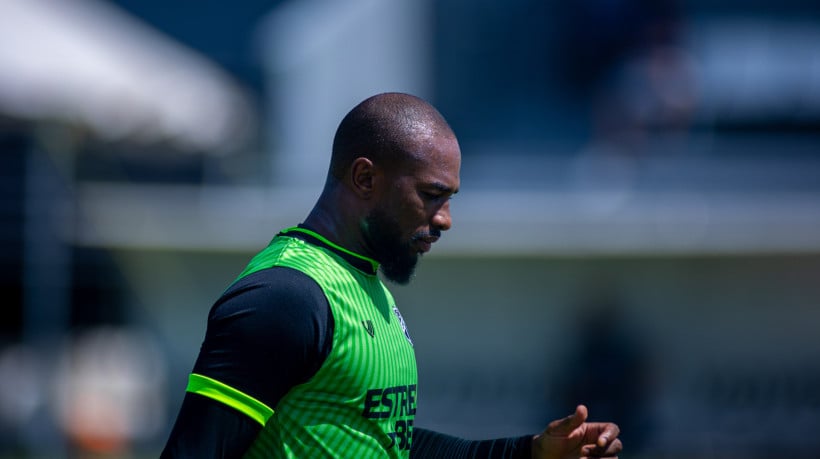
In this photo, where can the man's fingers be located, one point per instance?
(600, 433)
(568, 424)
(610, 450)
(611, 432)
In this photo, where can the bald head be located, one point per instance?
(386, 128)
(394, 168)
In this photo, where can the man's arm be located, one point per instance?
(429, 444)
(569, 438)
(206, 428)
(267, 333)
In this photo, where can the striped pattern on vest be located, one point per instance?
(362, 401)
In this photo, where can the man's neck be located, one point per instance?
(337, 227)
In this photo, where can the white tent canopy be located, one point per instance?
(84, 61)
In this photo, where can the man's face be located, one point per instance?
(415, 209)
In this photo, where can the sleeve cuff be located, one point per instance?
(213, 389)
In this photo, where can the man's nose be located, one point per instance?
(442, 219)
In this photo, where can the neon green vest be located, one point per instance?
(362, 401)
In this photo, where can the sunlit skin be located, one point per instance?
(408, 193)
(572, 437)
(414, 207)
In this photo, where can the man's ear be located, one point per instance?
(363, 177)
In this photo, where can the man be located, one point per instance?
(306, 354)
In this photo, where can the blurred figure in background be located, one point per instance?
(105, 397)
(625, 61)
(110, 392)
(600, 35)
(609, 368)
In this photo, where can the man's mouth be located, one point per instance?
(423, 246)
(425, 242)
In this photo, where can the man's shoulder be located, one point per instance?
(275, 278)
(295, 251)
(271, 292)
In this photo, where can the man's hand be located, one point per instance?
(574, 438)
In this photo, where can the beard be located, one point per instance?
(397, 259)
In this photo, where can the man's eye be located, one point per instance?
(436, 197)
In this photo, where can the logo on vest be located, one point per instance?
(397, 405)
(403, 325)
(368, 327)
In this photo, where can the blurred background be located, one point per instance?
(638, 227)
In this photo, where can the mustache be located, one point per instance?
(426, 234)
